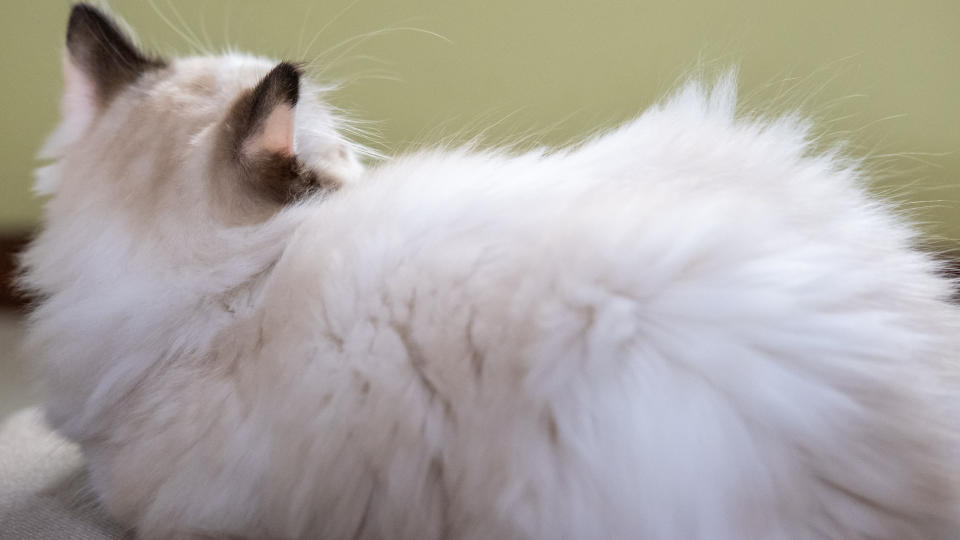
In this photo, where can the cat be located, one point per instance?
(692, 326)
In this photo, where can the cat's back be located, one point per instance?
(691, 314)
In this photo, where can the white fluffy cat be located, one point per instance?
(687, 328)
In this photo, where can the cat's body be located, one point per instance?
(686, 328)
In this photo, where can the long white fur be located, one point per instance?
(689, 327)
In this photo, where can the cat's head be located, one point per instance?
(191, 141)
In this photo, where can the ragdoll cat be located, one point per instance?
(690, 327)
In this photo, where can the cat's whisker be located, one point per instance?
(371, 75)
(176, 13)
(351, 43)
(301, 52)
(328, 69)
(196, 46)
(328, 24)
(207, 42)
(226, 32)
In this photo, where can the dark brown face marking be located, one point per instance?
(283, 179)
(98, 47)
(275, 176)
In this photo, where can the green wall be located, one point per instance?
(884, 74)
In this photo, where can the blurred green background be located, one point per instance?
(881, 74)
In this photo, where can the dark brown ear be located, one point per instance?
(258, 139)
(262, 119)
(100, 53)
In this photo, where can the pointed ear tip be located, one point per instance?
(84, 21)
(83, 8)
(292, 68)
(288, 75)
(82, 12)
(98, 46)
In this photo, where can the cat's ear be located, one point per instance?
(261, 122)
(257, 140)
(99, 62)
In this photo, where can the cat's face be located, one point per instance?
(186, 142)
